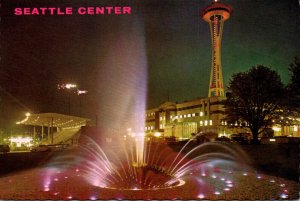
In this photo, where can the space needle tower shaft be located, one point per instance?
(215, 14)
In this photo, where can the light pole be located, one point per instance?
(68, 87)
(80, 93)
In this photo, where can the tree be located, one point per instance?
(294, 86)
(254, 98)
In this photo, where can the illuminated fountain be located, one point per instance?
(127, 162)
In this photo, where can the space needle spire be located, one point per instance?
(215, 14)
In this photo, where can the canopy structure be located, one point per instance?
(54, 120)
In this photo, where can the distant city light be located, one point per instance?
(69, 86)
(79, 92)
(66, 86)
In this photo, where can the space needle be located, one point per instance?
(216, 14)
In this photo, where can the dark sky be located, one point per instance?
(38, 52)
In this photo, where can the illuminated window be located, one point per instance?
(295, 128)
(184, 116)
(160, 118)
(201, 114)
(180, 116)
(210, 122)
(189, 115)
(205, 123)
(193, 114)
(151, 127)
(201, 123)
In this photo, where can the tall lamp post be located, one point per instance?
(80, 93)
(70, 87)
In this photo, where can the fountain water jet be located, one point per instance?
(126, 161)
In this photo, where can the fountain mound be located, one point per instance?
(144, 178)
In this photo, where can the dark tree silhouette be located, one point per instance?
(294, 86)
(254, 98)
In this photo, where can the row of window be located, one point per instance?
(206, 123)
(150, 114)
(162, 126)
(224, 123)
(149, 128)
(201, 114)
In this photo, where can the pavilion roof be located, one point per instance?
(54, 120)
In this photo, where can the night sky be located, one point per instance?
(39, 52)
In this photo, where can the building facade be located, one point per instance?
(181, 120)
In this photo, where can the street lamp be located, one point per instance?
(80, 93)
(69, 87)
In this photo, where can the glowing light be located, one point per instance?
(70, 197)
(276, 128)
(226, 189)
(157, 134)
(203, 174)
(295, 128)
(201, 196)
(46, 189)
(245, 174)
(56, 193)
(272, 140)
(217, 193)
(284, 196)
(24, 120)
(214, 176)
(282, 185)
(272, 181)
(93, 198)
(80, 92)
(70, 86)
(20, 139)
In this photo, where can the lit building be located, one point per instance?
(202, 115)
(215, 14)
(54, 128)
